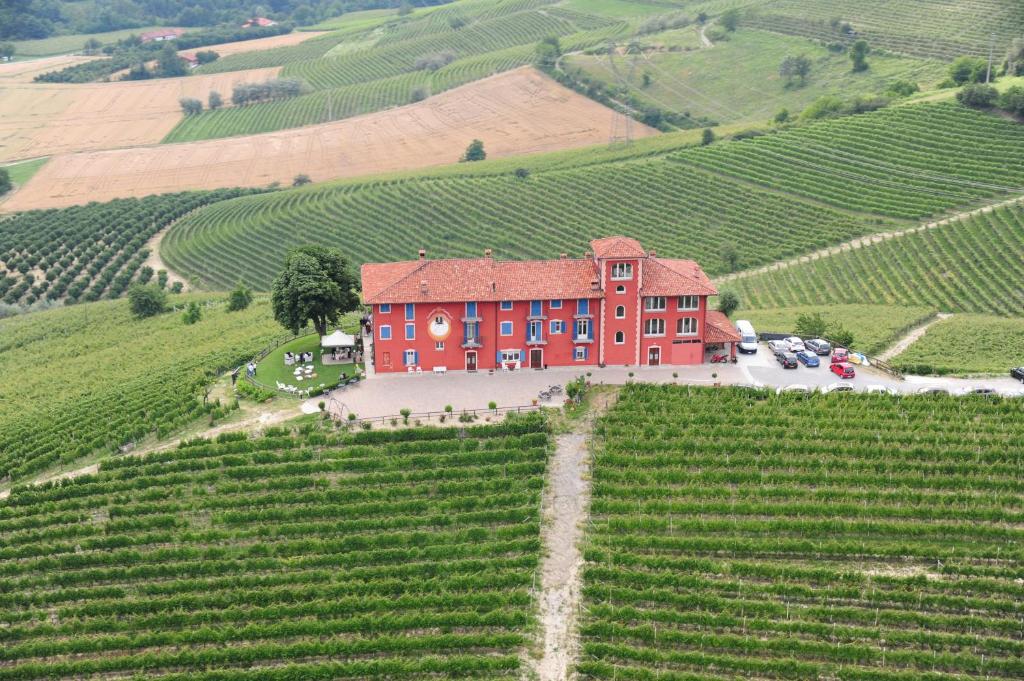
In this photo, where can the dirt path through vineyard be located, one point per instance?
(564, 514)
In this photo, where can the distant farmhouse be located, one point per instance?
(618, 305)
(162, 35)
(259, 21)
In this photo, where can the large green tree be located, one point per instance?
(316, 285)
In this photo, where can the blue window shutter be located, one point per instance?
(535, 307)
(590, 331)
(416, 357)
(586, 353)
(497, 357)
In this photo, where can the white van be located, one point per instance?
(748, 338)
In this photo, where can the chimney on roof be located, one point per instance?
(494, 287)
(595, 285)
(487, 253)
(563, 256)
(423, 254)
(423, 285)
(588, 254)
(653, 254)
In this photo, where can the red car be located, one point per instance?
(840, 355)
(842, 370)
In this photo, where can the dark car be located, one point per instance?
(843, 370)
(786, 359)
(808, 358)
(819, 346)
(1018, 373)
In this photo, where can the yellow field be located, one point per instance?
(42, 119)
(517, 112)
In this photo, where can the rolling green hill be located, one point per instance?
(973, 265)
(903, 162)
(90, 378)
(942, 29)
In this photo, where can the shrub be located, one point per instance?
(902, 88)
(301, 179)
(978, 96)
(239, 298)
(728, 302)
(419, 93)
(405, 412)
(707, 136)
(146, 300)
(474, 152)
(432, 62)
(193, 313)
(214, 101)
(190, 106)
(965, 70)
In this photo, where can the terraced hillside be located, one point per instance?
(904, 162)
(973, 265)
(943, 29)
(372, 68)
(966, 344)
(402, 555)
(90, 378)
(745, 535)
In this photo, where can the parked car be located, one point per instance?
(819, 346)
(796, 344)
(983, 390)
(877, 389)
(808, 358)
(786, 359)
(748, 339)
(932, 390)
(842, 370)
(1018, 373)
(777, 346)
(794, 388)
(840, 355)
(837, 388)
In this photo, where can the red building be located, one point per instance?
(619, 305)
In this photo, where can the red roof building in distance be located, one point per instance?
(162, 34)
(259, 21)
(618, 305)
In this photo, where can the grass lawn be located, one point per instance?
(22, 172)
(273, 368)
(874, 327)
(63, 44)
(738, 79)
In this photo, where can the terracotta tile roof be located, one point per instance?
(664, 277)
(720, 329)
(481, 279)
(617, 247)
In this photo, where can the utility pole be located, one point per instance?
(991, 53)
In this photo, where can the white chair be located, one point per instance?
(419, 370)
(411, 370)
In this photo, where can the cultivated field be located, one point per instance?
(274, 41)
(519, 112)
(42, 119)
(972, 265)
(966, 344)
(741, 534)
(90, 378)
(402, 555)
(24, 71)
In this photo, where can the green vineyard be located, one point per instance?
(966, 344)
(87, 252)
(91, 379)
(739, 534)
(973, 265)
(678, 210)
(308, 555)
(910, 161)
(941, 29)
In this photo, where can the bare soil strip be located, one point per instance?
(912, 336)
(864, 241)
(564, 514)
(517, 112)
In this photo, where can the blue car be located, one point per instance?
(808, 358)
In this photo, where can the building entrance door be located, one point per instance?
(385, 359)
(470, 361)
(536, 358)
(654, 356)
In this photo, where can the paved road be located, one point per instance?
(386, 394)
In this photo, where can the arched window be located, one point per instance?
(620, 289)
(620, 338)
(620, 312)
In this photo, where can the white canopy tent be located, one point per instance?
(338, 339)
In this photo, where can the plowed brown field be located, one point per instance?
(517, 112)
(24, 71)
(42, 119)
